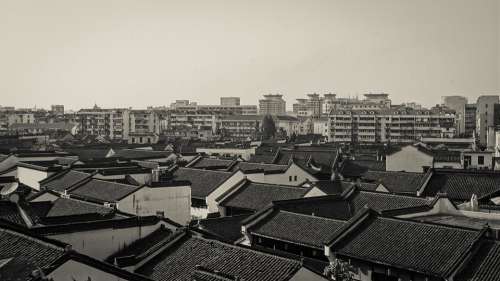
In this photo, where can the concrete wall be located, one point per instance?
(101, 243)
(173, 201)
(31, 177)
(409, 159)
(74, 270)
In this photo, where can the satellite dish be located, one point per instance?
(14, 198)
(9, 188)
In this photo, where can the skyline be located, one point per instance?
(127, 53)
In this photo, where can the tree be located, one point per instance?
(268, 127)
(339, 271)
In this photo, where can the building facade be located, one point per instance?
(484, 116)
(272, 105)
(458, 104)
(400, 125)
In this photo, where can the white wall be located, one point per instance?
(31, 177)
(174, 201)
(283, 178)
(229, 183)
(102, 243)
(409, 159)
(74, 270)
(244, 153)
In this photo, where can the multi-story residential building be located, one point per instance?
(228, 106)
(21, 117)
(230, 101)
(457, 103)
(111, 123)
(395, 125)
(239, 127)
(484, 116)
(470, 119)
(312, 106)
(144, 126)
(191, 119)
(272, 105)
(328, 103)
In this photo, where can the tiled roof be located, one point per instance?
(10, 212)
(146, 244)
(396, 182)
(103, 191)
(140, 154)
(262, 158)
(425, 248)
(64, 180)
(358, 168)
(212, 163)
(225, 228)
(248, 166)
(24, 254)
(322, 158)
(381, 201)
(72, 207)
(180, 263)
(485, 265)
(337, 186)
(331, 206)
(461, 185)
(255, 196)
(203, 182)
(297, 228)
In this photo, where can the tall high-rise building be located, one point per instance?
(457, 103)
(470, 120)
(273, 105)
(484, 116)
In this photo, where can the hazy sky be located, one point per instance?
(151, 52)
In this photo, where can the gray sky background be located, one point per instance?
(151, 52)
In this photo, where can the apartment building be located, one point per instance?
(470, 120)
(395, 125)
(144, 126)
(239, 127)
(484, 116)
(312, 106)
(228, 106)
(458, 104)
(272, 105)
(111, 123)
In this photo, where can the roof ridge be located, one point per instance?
(205, 170)
(310, 216)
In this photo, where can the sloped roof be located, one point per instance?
(460, 185)
(358, 168)
(485, 265)
(425, 248)
(181, 262)
(136, 154)
(396, 182)
(64, 180)
(311, 231)
(212, 163)
(72, 207)
(203, 182)
(226, 228)
(103, 191)
(24, 254)
(381, 201)
(255, 196)
(248, 166)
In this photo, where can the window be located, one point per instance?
(295, 178)
(290, 178)
(480, 160)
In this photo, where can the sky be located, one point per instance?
(137, 53)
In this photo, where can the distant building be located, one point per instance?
(57, 109)
(230, 101)
(458, 104)
(484, 116)
(395, 125)
(470, 120)
(312, 106)
(273, 105)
